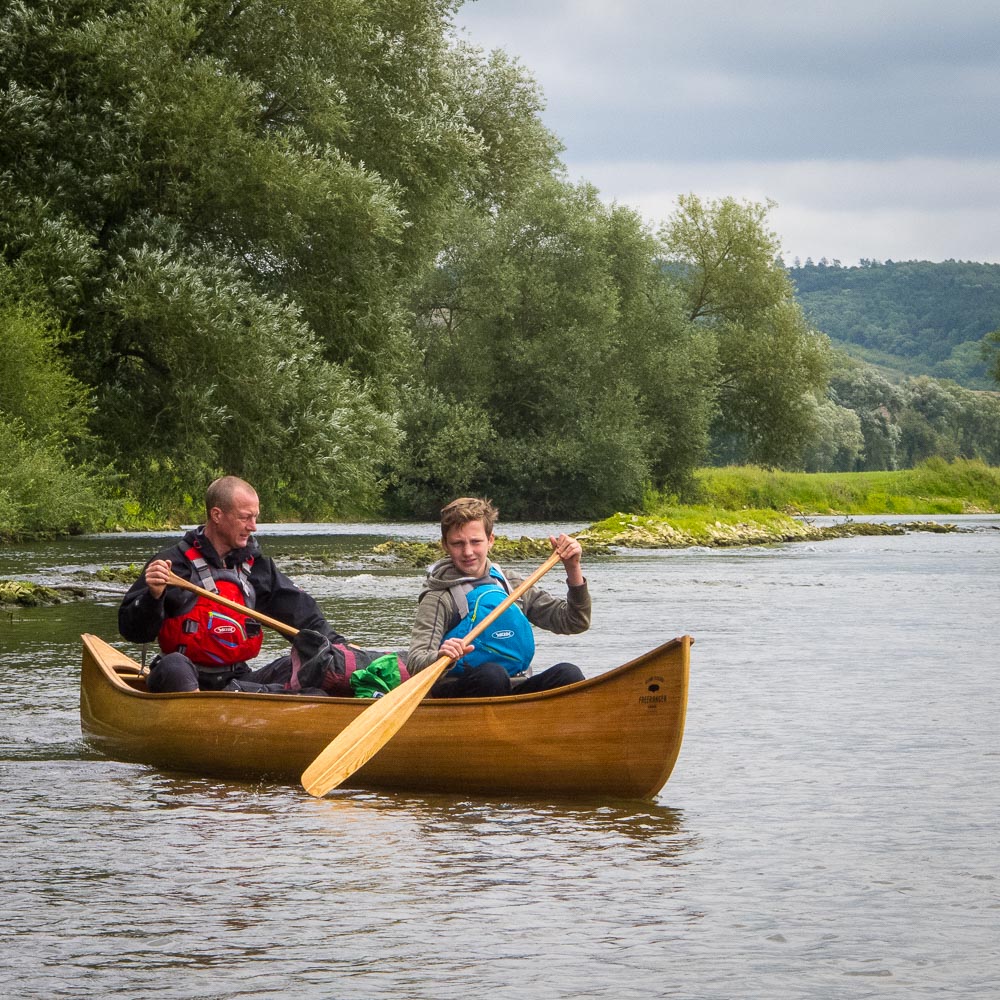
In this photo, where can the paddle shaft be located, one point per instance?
(176, 581)
(358, 742)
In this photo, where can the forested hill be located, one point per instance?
(912, 317)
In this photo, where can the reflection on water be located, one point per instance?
(524, 824)
(829, 830)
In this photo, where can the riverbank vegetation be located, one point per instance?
(334, 250)
(933, 487)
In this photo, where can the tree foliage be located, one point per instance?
(771, 367)
(330, 247)
(990, 353)
(726, 257)
(43, 412)
(36, 389)
(838, 442)
(904, 423)
(445, 454)
(520, 321)
(226, 204)
(671, 362)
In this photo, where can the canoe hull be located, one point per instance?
(615, 735)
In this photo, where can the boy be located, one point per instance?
(466, 583)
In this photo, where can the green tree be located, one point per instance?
(726, 258)
(769, 375)
(928, 422)
(42, 494)
(670, 361)
(769, 362)
(445, 450)
(521, 321)
(239, 376)
(979, 427)
(36, 389)
(43, 414)
(991, 354)
(944, 420)
(877, 403)
(838, 443)
(227, 206)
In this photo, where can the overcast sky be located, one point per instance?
(874, 124)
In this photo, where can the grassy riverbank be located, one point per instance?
(737, 504)
(934, 487)
(753, 506)
(683, 527)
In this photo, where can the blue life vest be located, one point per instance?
(508, 640)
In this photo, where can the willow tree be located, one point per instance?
(227, 203)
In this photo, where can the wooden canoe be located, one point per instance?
(616, 735)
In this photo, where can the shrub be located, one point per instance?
(41, 494)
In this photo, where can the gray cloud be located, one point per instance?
(892, 101)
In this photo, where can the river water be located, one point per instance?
(830, 830)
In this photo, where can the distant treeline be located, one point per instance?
(911, 317)
(332, 248)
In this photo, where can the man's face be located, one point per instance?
(469, 547)
(232, 528)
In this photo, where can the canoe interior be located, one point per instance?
(615, 735)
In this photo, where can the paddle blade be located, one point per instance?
(357, 743)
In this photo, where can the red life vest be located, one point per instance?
(209, 634)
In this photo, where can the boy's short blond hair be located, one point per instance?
(466, 509)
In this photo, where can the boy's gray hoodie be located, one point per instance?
(437, 614)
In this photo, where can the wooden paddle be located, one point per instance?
(358, 742)
(176, 581)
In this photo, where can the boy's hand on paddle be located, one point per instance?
(455, 649)
(570, 552)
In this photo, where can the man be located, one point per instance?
(206, 646)
(466, 584)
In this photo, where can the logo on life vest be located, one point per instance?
(225, 631)
(504, 633)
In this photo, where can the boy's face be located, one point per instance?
(469, 547)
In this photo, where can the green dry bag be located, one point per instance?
(378, 678)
